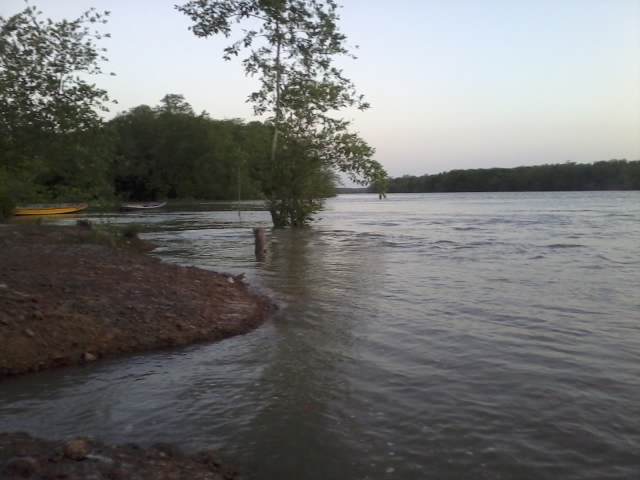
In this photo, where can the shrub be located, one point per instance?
(6, 207)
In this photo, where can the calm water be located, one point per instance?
(450, 336)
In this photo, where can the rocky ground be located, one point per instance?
(23, 456)
(65, 300)
(66, 303)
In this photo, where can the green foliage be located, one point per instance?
(170, 152)
(603, 175)
(51, 135)
(299, 187)
(292, 48)
(107, 234)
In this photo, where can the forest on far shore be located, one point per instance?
(569, 176)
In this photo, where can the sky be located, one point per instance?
(453, 84)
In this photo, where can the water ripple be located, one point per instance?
(445, 336)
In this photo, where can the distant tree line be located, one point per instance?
(602, 175)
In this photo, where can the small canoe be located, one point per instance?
(133, 206)
(49, 209)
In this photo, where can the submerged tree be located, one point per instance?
(49, 120)
(292, 49)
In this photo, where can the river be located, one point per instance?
(425, 336)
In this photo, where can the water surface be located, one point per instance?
(435, 336)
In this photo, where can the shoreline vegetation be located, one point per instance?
(57, 146)
(68, 297)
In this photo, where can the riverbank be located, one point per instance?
(64, 301)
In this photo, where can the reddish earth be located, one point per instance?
(64, 301)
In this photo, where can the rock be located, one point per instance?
(89, 357)
(20, 467)
(121, 473)
(210, 458)
(29, 333)
(38, 315)
(168, 450)
(85, 224)
(230, 280)
(76, 449)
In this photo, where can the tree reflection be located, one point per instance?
(326, 280)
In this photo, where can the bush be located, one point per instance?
(6, 208)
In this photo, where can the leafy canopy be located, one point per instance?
(49, 111)
(292, 45)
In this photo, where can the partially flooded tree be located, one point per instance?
(49, 111)
(292, 45)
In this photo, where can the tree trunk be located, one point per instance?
(275, 216)
(260, 243)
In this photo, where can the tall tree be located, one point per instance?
(174, 103)
(170, 152)
(292, 49)
(48, 109)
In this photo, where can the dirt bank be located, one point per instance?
(66, 303)
(23, 456)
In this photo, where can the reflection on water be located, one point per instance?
(427, 336)
(315, 340)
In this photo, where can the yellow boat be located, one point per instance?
(49, 209)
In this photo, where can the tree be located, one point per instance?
(292, 49)
(49, 121)
(175, 104)
(170, 152)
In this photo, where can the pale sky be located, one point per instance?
(453, 84)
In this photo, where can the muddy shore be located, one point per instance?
(66, 301)
(23, 456)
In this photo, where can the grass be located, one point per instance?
(109, 235)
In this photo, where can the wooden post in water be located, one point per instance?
(261, 243)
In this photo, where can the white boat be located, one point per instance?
(133, 206)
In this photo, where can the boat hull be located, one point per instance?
(134, 206)
(51, 210)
